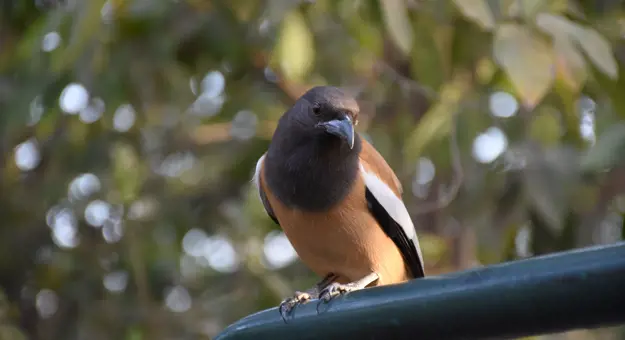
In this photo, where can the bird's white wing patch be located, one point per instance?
(256, 178)
(393, 205)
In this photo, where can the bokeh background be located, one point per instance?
(129, 131)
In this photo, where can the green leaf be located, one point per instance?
(526, 8)
(594, 44)
(86, 29)
(397, 23)
(367, 33)
(549, 180)
(608, 151)
(546, 127)
(11, 332)
(295, 50)
(477, 11)
(434, 246)
(527, 60)
(598, 50)
(134, 333)
(529, 8)
(427, 58)
(556, 25)
(126, 171)
(570, 65)
(568, 96)
(435, 124)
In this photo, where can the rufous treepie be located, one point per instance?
(336, 199)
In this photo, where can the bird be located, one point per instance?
(336, 199)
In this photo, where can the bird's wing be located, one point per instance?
(261, 192)
(378, 164)
(383, 194)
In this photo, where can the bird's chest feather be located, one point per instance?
(312, 179)
(344, 240)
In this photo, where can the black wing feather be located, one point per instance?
(268, 209)
(397, 234)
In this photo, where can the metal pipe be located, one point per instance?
(583, 288)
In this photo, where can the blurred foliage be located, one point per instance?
(130, 129)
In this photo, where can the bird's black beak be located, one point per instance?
(342, 127)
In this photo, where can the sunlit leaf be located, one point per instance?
(504, 8)
(397, 23)
(598, 50)
(478, 11)
(529, 8)
(527, 60)
(485, 70)
(556, 25)
(570, 65)
(608, 151)
(295, 50)
(594, 44)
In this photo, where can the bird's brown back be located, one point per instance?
(378, 165)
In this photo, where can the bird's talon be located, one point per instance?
(287, 305)
(334, 290)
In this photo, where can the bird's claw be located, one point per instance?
(335, 289)
(287, 305)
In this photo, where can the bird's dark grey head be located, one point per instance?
(329, 111)
(313, 157)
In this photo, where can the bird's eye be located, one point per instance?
(316, 109)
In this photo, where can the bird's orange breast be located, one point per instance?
(346, 240)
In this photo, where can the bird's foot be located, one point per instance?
(287, 305)
(335, 289)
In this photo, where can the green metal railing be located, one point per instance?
(554, 293)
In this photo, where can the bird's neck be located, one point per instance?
(312, 174)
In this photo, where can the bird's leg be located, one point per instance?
(301, 297)
(335, 289)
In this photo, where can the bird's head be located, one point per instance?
(330, 112)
